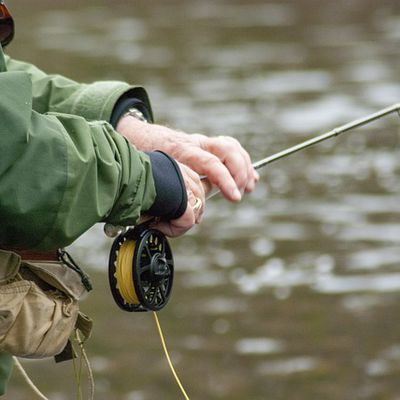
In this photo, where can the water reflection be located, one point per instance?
(293, 293)
(259, 346)
(288, 366)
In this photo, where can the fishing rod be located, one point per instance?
(333, 133)
(317, 139)
(141, 266)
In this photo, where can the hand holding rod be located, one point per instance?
(212, 190)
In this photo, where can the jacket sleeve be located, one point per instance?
(60, 174)
(94, 101)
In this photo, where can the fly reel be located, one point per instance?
(141, 269)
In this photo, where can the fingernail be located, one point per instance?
(236, 195)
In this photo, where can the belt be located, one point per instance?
(32, 255)
(59, 255)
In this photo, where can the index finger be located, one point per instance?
(209, 165)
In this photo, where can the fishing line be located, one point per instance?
(28, 380)
(78, 375)
(160, 332)
(77, 372)
(84, 359)
(125, 284)
(124, 272)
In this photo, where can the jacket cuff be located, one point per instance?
(126, 102)
(171, 198)
(97, 101)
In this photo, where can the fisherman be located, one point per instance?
(73, 155)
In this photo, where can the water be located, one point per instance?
(294, 293)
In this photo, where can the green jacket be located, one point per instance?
(63, 168)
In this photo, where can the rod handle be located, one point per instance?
(209, 189)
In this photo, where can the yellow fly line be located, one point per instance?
(126, 287)
(160, 332)
(124, 272)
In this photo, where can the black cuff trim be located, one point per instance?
(124, 104)
(171, 199)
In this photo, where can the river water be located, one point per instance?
(294, 293)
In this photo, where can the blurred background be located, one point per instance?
(294, 293)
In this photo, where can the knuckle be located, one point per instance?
(231, 141)
(213, 162)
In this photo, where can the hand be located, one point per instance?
(195, 192)
(222, 159)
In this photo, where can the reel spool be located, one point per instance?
(141, 269)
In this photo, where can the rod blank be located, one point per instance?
(310, 142)
(333, 133)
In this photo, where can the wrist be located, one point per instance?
(171, 196)
(135, 131)
(126, 122)
(147, 137)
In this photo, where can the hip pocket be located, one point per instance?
(35, 323)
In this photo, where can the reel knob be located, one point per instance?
(159, 268)
(141, 270)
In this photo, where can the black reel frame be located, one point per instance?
(152, 265)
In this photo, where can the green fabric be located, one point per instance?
(60, 173)
(55, 93)
(62, 167)
(6, 364)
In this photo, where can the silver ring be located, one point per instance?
(197, 205)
